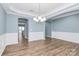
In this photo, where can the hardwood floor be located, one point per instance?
(48, 47)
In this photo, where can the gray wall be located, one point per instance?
(2, 21)
(66, 24)
(47, 29)
(11, 24)
(35, 26)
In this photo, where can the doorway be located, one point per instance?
(22, 31)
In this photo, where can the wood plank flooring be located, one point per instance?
(48, 47)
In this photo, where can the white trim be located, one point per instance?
(7, 39)
(36, 36)
(63, 9)
(48, 36)
(66, 14)
(2, 44)
(2, 49)
(11, 38)
(71, 7)
(67, 36)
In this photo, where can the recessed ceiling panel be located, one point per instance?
(33, 8)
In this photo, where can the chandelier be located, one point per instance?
(39, 18)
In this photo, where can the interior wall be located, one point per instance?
(47, 29)
(2, 29)
(11, 23)
(66, 28)
(36, 30)
(2, 21)
(11, 29)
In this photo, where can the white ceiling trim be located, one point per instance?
(65, 15)
(60, 9)
(19, 12)
(64, 9)
(53, 12)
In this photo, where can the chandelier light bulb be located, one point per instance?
(43, 19)
(35, 19)
(39, 17)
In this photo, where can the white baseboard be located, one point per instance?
(36, 36)
(48, 36)
(67, 36)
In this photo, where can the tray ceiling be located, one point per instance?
(32, 9)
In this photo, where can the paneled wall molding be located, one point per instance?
(67, 36)
(11, 38)
(36, 36)
(7, 39)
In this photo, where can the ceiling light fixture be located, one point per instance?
(39, 18)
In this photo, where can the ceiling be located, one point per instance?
(32, 9)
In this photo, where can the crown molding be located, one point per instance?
(65, 11)
(52, 14)
(63, 15)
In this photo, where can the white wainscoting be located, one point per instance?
(48, 36)
(11, 38)
(7, 39)
(36, 36)
(67, 36)
(2, 44)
